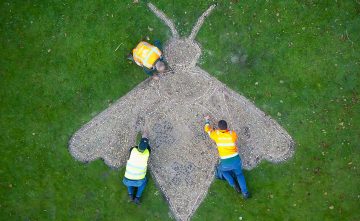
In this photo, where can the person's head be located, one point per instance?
(222, 125)
(160, 66)
(143, 145)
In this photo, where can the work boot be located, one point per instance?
(131, 198)
(237, 188)
(137, 201)
(246, 195)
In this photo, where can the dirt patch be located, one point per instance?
(172, 109)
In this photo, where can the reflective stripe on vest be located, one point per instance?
(146, 54)
(226, 144)
(137, 164)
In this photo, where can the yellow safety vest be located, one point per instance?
(137, 164)
(146, 54)
(225, 141)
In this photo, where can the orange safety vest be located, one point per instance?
(146, 54)
(225, 141)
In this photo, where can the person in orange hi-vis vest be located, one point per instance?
(229, 167)
(149, 57)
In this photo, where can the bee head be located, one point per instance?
(182, 52)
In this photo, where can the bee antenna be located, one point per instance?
(165, 19)
(200, 22)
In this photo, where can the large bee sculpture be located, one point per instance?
(171, 110)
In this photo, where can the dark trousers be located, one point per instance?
(232, 172)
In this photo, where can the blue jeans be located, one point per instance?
(132, 184)
(233, 169)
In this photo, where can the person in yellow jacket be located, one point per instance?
(136, 167)
(149, 57)
(230, 162)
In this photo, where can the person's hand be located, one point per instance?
(207, 117)
(155, 77)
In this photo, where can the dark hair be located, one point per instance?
(144, 143)
(222, 125)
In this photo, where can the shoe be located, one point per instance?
(246, 195)
(237, 188)
(131, 198)
(137, 201)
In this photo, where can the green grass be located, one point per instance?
(59, 68)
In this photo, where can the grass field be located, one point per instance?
(62, 62)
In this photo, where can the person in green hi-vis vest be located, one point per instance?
(135, 174)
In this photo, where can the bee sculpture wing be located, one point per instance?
(111, 133)
(259, 136)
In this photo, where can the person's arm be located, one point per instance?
(208, 128)
(234, 136)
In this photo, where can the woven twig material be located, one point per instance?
(183, 157)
